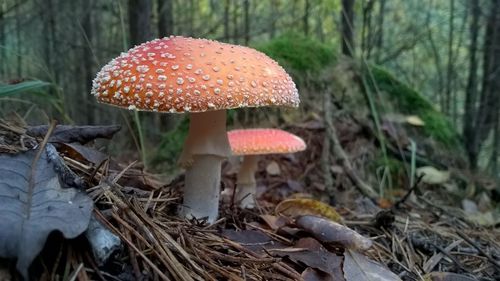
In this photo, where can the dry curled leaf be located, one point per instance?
(310, 252)
(273, 169)
(33, 203)
(328, 231)
(357, 267)
(304, 206)
(83, 153)
(311, 274)
(274, 222)
(80, 134)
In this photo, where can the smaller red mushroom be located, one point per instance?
(253, 142)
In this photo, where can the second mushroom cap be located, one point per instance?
(264, 141)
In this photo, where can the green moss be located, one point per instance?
(297, 52)
(408, 101)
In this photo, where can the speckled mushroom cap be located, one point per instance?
(179, 74)
(264, 141)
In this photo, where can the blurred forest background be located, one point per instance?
(446, 50)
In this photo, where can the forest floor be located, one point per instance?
(419, 234)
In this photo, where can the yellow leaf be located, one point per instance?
(304, 206)
(432, 175)
(415, 120)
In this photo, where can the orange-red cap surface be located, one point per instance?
(264, 141)
(179, 74)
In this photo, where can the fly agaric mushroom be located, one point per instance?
(204, 78)
(253, 142)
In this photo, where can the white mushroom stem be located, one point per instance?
(205, 148)
(246, 186)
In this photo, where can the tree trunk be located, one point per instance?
(235, 23)
(246, 15)
(88, 59)
(496, 144)
(227, 5)
(471, 90)
(367, 32)
(272, 20)
(446, 105)
(2, 41)
(19, 49)
(379, 40)
(347, 16)
(489, 99)
(139, 12)
(165, 18)
(191, 15)
(307, 7)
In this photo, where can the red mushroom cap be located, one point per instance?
(179, 74)
(264, 141)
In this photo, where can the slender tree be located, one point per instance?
(165, 10)
(227, 5)
(305, 19)
(446, 104)
(139, 12)
(489, 100)
(235, 23)
(347, 16)
(88, 57)
(379, 40)
(273, 14)
(246, 23)
(3, 55)
(366, 30)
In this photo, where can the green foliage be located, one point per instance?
(409, 101)
(25, 86)
(298, 52)
(171, 145)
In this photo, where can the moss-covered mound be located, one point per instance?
(297, 52)
(408, 101)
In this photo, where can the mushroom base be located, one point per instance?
(245, 195)
(202, 188)
(246, 188)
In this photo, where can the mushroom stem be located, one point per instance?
(246, 188)
(202, 188)
(205, 148)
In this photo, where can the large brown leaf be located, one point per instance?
(33, 203)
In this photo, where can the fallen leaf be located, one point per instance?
(311, 274)
(273, 168)
(384, 203)
(68, 134)
(34, 205)
(414, 120)
(469, 206)
(337, 169)
(274, 222)
(253, 240)
(79, 152)
(357, 267)
(431, 175)
(489, 218)
(304, 206)
(447, 276)
(328, 231)
(310, 252)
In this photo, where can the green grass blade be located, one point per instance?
(14, 89)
